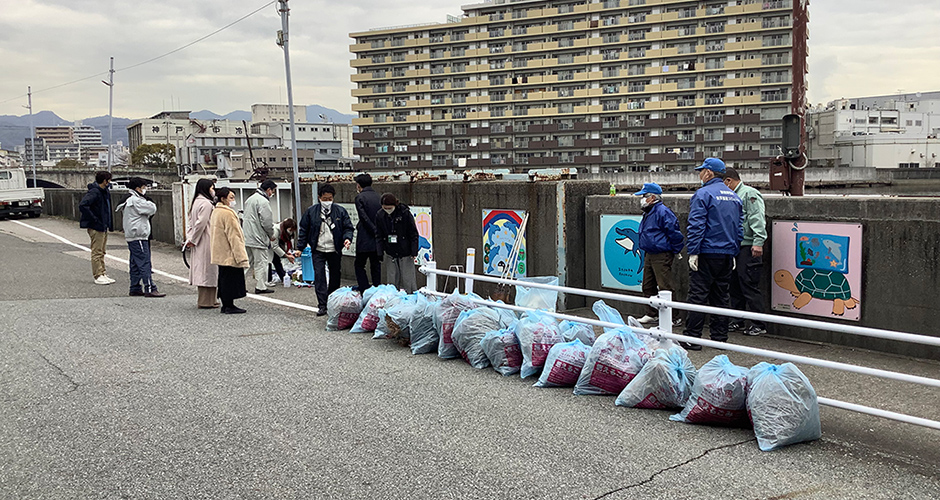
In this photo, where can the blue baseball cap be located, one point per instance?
(713, 164)
(649, 188)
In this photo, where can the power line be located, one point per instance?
(190, 44)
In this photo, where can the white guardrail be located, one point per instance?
(665, 304)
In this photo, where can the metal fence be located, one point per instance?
(664, 303)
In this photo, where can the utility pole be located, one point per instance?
(32, 132)
(282, 41)
(110, 84)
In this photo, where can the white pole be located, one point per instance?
(110, 112)
(32, 132)
(471, 267)
(283, 42)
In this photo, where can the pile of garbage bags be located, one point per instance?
(641, 370)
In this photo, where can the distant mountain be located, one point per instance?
(14, 130)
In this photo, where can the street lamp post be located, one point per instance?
(283, 41)
(32, 132)
(110, 84)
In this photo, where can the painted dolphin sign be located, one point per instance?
(621, 257)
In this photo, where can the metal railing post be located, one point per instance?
(431, 274)
(471, 267)
(665, 311)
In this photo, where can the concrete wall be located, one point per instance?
(457, 210)
(64, 203)
(79, 179)
(901, 261)
(754, 177)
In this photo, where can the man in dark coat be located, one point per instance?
(95, 208)
(397, 236)
(367, 206)
(328, 230)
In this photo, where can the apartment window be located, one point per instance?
(612, 37)
(398, 41)
(771, 132)
(908, 165)
(635, 35)
(565, 141)
(611, 122)
(613, 88)
(610, 139)
(636, 137)
(612, 105)
(565, 25)
(611, 4)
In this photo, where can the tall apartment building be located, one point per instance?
(593, 84)
(55, 134)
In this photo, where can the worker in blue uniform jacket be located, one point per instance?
(661, 241)
(713, 239)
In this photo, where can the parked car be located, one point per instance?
(15, 197)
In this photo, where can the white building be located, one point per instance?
(85, 136)
(277, 113)
(896, 131)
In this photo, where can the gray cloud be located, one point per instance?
(860, 47)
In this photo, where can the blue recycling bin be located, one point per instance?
(306, 264)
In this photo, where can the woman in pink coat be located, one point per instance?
(202, 272)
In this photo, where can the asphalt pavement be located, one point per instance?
(103, 395)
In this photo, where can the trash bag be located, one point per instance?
(571, 330)
(606, 313)
(342, 309)
(424, 335)
(616, 357)
(470, 328)
(563, 365)
(537, 333)
(384, 329)
(398, 318)
(782, 405)
(502, 349)
(374, 300)
(719, 395)
(664, 382)
(447, 313)
(537, 298)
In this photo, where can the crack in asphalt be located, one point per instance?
(671, 467)
(61, 372)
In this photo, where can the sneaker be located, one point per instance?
(275, 283)
(690, 347)
(266, 290)
(321, 312)
(735, 326)
(677, 322)
(112, 280)
(754, 331)
(154, 294)
(648, 319)
(103, 280)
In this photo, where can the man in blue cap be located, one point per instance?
(661, 240)
(714, 239)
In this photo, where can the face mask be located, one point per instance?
(143, 191)
(389, 210)
(645, 202)
(326, 205)
(232, 203)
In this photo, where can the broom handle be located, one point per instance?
(514, 258)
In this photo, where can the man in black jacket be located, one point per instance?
(397, 235)
(367, 206)
(327, 229)
(95, 208)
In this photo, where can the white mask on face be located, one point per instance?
(143, 191)
(644, 202)
(232, 203)
(388, 210)
(326, 205)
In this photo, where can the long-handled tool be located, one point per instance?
(509, 270)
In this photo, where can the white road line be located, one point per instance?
(260, 298)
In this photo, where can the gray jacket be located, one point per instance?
(137, 212)
(258, 221)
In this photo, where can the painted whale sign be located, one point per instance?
(621, 257)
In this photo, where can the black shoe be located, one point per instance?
(735, 326)
(154, 294)
(321, 312)
(754, 331)
(266, 290)
(233, 310)
(136, 294)
(690, 347)
(677, 322)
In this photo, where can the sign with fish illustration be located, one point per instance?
(423, 222)
(817, 269)
(499, 236)
(621, 257)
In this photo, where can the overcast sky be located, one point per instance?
(857, 48)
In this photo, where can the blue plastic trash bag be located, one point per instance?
(424, 335)
(402, 305)
(571, 330)
(606, 313)
(719, 395)
(664, 382)
(374, 300)
(616, 357)
(342, 309)
(537, 333)
(503, 351)
(782, 405)
(447, 313)
(470, 328)
(537, 298)
(563, 365)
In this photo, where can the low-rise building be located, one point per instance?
(893, 131)
(277, 113)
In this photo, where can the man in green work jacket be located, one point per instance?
(745, 282)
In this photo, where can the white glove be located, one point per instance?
(678, 256)
(734, 264)
(693, 262)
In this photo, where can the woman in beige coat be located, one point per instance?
(203, 274)
(228, 251)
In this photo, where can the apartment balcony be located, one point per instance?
(363, 136)
(752, 154)
(739, 119)
(742, 137)
(660, 157)
(660, 140)
(662, 122)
